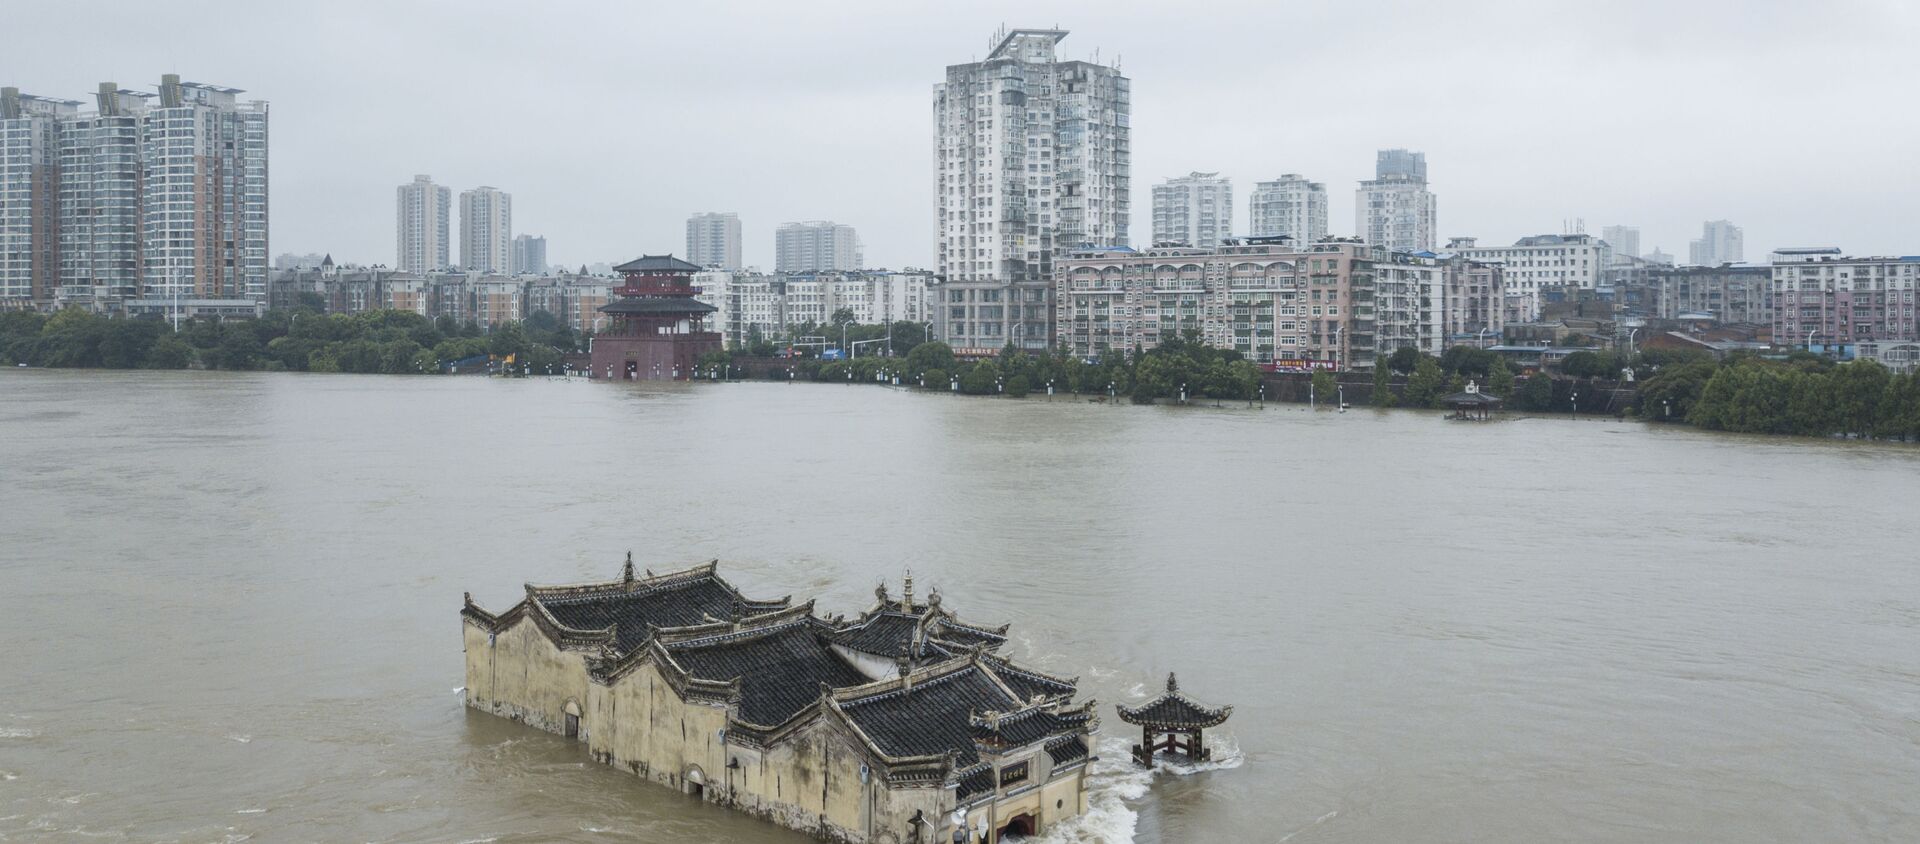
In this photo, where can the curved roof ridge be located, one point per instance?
(624, 585)
(1006, 663)
(727, 632)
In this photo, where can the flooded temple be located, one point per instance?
(903, 724)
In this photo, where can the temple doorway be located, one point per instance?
(571, 718)
(1020, 826)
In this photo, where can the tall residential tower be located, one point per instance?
(1031, 159)
(486, 230)
(421, 234)
(30, 197)
(1720, 242)
(1289, 206)
(713, 240)
(1193, 210)
(204, 232)
(818, 246)
(1394, 210)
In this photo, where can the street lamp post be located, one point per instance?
(1573, 400)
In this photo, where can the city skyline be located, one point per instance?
(1498, 186)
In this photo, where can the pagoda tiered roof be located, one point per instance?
(1173, 710)
(657, 263)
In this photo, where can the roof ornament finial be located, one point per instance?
(906, 593)
(880, 591)
(626, 571)
(1173, 685)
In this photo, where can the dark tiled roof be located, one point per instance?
(968, 636)
(668, 605)
(1028, 683)
(883, 634)
(888, 632)
(780, 669)
(656, 263)
(931, 718)
(657, 305)
(977, 781)
(1020, 728)
(1067, 751)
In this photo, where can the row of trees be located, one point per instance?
(299, 339)
(1163, 372)
(1804, 394)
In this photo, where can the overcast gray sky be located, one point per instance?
(611, 122)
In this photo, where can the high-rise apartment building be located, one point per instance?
(421, 232)
(713, 239)
(1625, 241)
(30, 197)
(1193, 210)
(486, 230)
(529, 255)
(817, 246)
(1291, 207)
(1720, 242)
(204, 230)
(101, 212)
(1395, 210)
(1032, 158)
(149, 197)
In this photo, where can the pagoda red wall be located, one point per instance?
(646, 355)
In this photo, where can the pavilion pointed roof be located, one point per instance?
(1174, 711)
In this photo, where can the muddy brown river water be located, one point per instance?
(230, 603)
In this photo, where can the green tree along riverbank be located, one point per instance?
(301, 339)
(1162, 372)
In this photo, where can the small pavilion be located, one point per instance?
(1173, 722)
(1471, 404)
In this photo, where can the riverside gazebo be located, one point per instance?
(1472, 404)
(1173, 722)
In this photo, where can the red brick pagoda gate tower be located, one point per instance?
(657, 329)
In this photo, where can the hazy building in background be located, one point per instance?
(204, 231)
(30, 197)
(1720, 242)
(420, 231)
(1032, 158)
(292, 261)
(816, 246)
(1194, 210)
(1625, 241)
(486, 230)
(529, 255)
(1395, 210)
(1658, 257)
(713, 240)
(1289, 206)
